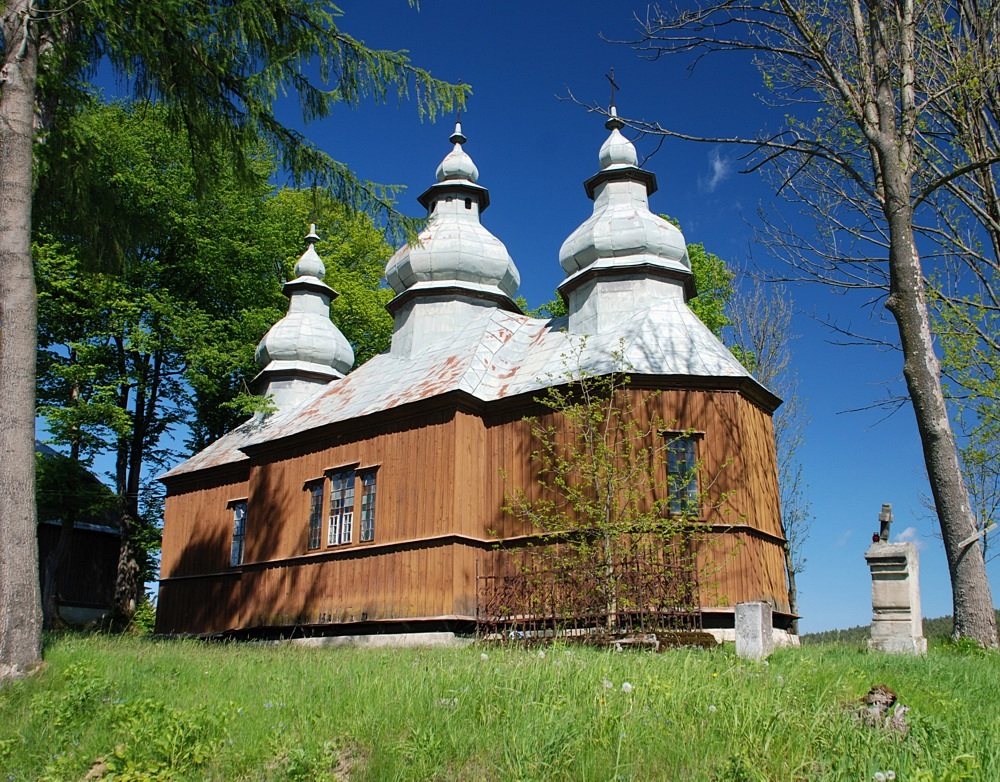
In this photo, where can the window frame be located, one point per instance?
(684, 484)
(342, 506)
(368, 505)
(237, 547)
(314, 534)
(349, 503)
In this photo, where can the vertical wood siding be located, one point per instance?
(440, 474)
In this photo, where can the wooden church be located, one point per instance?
(371, 501)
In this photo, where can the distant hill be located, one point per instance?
(939, 628)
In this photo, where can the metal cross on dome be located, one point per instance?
(614, 85)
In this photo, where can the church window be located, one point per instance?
(341, 508)
(368, 507)
(315, 515)
(682, 474)
(239, 533)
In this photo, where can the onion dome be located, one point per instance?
(622, 233)
(457, 164)
(305, 342)
(455, 250)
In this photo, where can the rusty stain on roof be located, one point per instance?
(498, 355)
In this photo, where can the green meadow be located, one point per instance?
(135, 708)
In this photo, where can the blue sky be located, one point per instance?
(534, 149)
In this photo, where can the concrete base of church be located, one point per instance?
(438, 640)
(782, 638)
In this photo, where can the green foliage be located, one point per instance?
(554, 308)
(218, 68)
(64, 488)
(226, 711)
(714, 281)
(607, 500)
(937, 631)
(966, 329)
(154, 289)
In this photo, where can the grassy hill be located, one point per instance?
(934, 630)
(152, 710)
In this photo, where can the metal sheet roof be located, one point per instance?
(496, 355)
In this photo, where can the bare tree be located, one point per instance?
(874, 151)
(760, 319)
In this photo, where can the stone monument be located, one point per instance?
(754, 630)
(897, 624)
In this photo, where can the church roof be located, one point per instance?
(455, 248)
(622, 232)
(498, 355)
(306, 340)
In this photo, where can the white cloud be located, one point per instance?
(910, 535)
(842, 541)
(721, 167)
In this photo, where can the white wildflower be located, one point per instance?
(626, 687)
(484, 656)
(541, 654)
(879, 776)
(607, 685)
(712, 709)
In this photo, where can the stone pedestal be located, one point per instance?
(754, 630)
(897, 624)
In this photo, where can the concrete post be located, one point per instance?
(897, 624)
(754, 630)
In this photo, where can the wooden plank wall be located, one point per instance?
(736, 567)
(198, 525)
(439, 474)
(414, 496)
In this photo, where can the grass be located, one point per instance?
(141, 709)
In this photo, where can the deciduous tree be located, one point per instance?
(167, 340)
(872, 153)
(219, 68)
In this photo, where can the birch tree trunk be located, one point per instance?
(20, 608)
(890, 121)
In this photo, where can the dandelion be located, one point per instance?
(715, 676)
(712, 709)
(890, 775)
(878, 776)
(541, 654)
(606, 684)
(484, 657)
(626, 687)
(268, 704)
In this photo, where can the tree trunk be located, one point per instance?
(891, 128)
(20, 609)
(127, 586)
(972, 601)
(793, 592)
